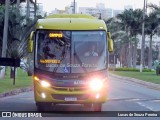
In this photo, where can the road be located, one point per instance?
(123, 96)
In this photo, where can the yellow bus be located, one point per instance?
(70, 61)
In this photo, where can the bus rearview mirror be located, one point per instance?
(30, 46)
(110, 42)
(30, 43)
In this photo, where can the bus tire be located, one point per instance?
(44, 107)
(87, 107)
(97, 107)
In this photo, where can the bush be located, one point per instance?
(130, 69)
(158, 70)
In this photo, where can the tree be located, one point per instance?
(152, 23)
(126, 20)
(2, 2)
(119, 37)
(156, 9)
(135, 30)
(125, 28)
(18, 35)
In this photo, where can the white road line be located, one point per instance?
(150, 108)
(133, 99)
(143, 105)
(156, 100)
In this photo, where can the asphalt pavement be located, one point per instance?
(122, 96)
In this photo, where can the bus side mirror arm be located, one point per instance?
(30, 42)
(110, 42)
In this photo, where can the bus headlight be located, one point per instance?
(45, 84)
(95, 85)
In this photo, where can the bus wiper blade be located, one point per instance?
(63, 56)
(75, 54)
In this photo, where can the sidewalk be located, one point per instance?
(141, 82)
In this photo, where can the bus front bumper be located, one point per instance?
(68, 95)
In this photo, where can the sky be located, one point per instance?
(49, 5)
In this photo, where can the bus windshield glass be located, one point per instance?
(71, 51)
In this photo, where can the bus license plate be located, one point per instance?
(70, 99)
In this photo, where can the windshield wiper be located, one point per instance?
(75, 55)
(62, 56)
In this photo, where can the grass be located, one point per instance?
(22, 80)
(146, 76)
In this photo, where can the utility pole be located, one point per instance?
(35, 9)
(74, 7)
(143, 38)
(28, 10)
(5, 30)
(5, 35)
(18, 3)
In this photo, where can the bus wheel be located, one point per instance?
(44, 107)
(87, 107)
(97, 107)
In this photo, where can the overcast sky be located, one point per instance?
(50, 5)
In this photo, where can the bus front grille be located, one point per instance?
(63, 97)
(71, 89)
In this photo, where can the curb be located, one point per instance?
(138, 81)
(16, 91)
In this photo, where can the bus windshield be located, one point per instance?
(71, 51)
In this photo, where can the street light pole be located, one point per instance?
(143, 38)
(5, 30)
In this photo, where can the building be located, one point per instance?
(155, 43)
(98, 11)
(67, 10)
(23, 9)
(100, 6)
(40, 9)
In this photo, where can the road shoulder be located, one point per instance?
(16, 91)
(138, 81)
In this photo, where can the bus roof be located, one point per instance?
(71, 16)
(71, 22)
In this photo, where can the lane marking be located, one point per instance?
(147, 107)
(143, 105)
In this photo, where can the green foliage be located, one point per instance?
(152, 22)
(22, 80)
(145, 76)
(11, 1)
(125, 28)
(18, 32)
(132, 69)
